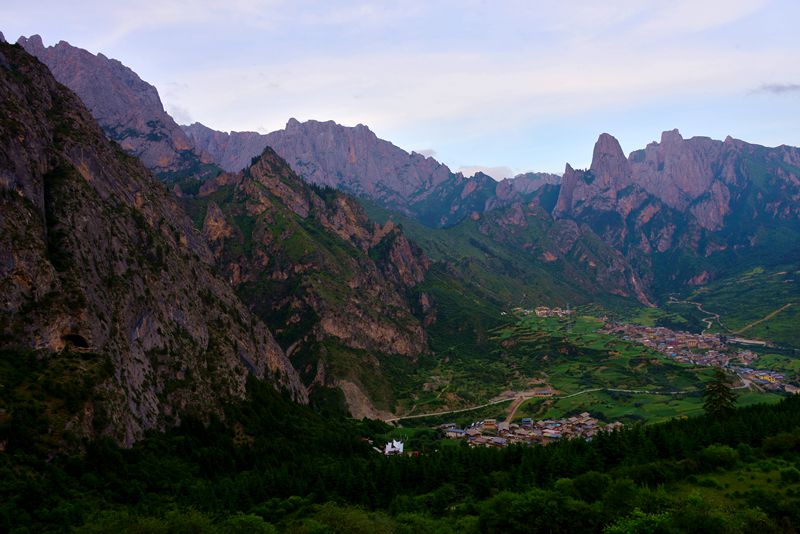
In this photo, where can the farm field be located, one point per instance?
(581, 368)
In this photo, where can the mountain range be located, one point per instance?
(330, 257)
(355, 160)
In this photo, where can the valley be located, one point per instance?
(557, 366)
(315, 330)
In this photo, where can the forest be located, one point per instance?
(270, 465)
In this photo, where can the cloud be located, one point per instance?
(690, 16)
(778, 88)
(180, 114)
(416, 89)
(498, 173)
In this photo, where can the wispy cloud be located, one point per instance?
(778, 88)
(690, 16)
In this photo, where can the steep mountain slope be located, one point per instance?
(355, 160)
(519, 256)
(107, 290)
(338, 290)
(128, 109)
(686, 211)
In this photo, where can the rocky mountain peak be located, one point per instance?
(34, 42)
(96, 255)
(2, 38)
(127, 108)
(609, 164)
(671, 137)
(569, 183)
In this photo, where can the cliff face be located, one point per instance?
(128, 109)
(232, 151)
(694, 197)
(330, 283)
(103, 277)
(355, 160)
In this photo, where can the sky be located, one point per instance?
(500, 86)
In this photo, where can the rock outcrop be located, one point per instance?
(103, 276)
(127, 108)
(695, 197)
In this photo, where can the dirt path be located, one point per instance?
(460, 410)
(708, 320)
(765, 318)
(521, 398)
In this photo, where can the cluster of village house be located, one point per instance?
(702, 349)
(544, 311)
(490, 433)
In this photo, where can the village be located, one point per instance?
(709, 350)
(544, 311)
(494, 434)
(490, 433)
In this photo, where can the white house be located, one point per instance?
(393, 447)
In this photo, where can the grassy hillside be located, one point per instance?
(570, 356)
(760, 303)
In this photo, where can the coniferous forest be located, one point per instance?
(276, 466)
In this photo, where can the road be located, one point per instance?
(708, 320)
(766, 318)
(715, 316)
(522, 396)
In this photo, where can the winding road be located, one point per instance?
(708, 320)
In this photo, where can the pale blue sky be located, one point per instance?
(515, 86)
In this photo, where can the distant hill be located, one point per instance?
(681, 212)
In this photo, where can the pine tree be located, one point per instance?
(720, 399)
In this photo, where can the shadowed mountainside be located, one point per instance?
(105, 283)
